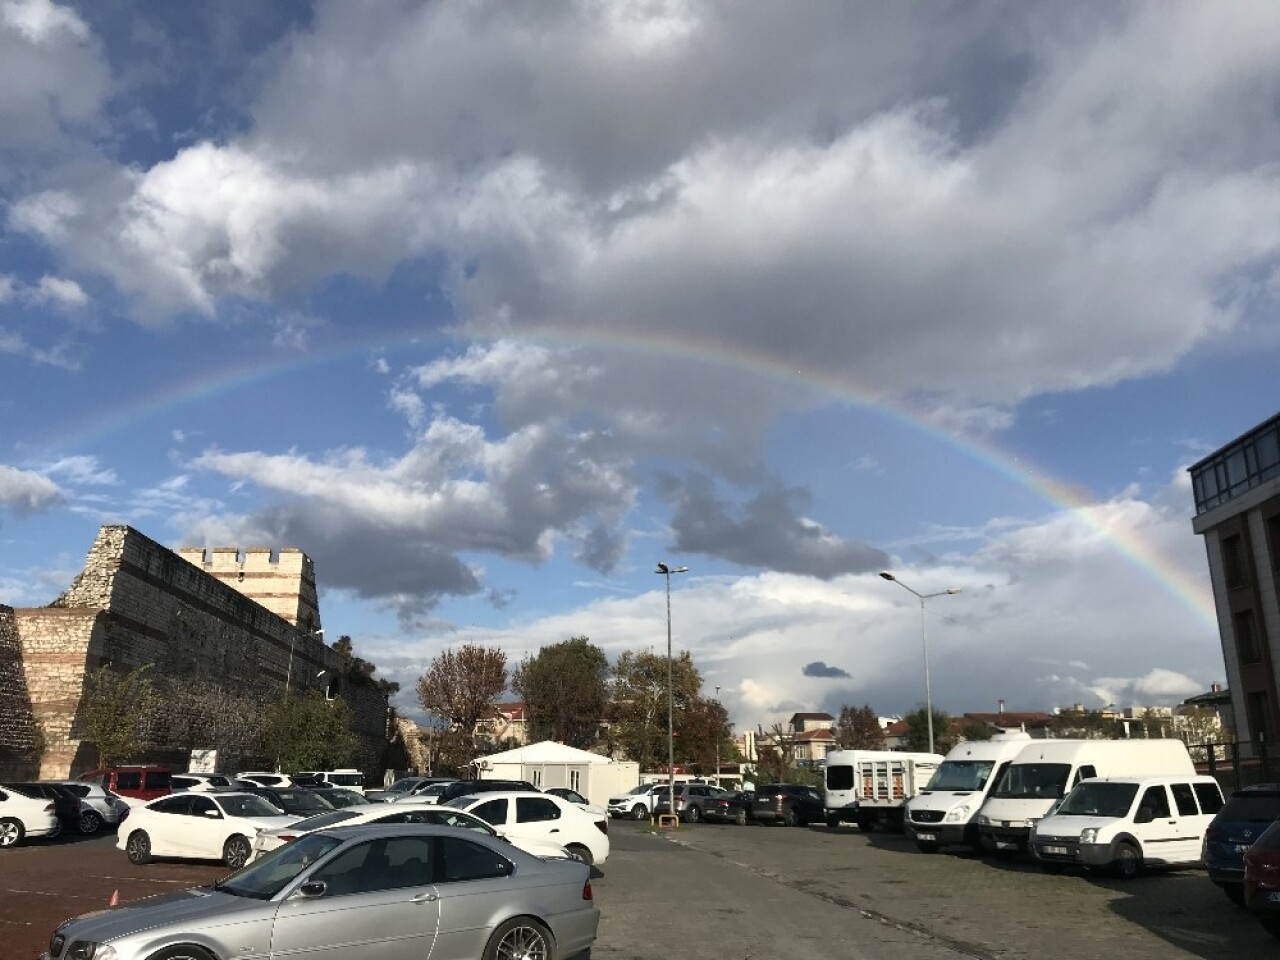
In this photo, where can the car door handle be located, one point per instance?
(555, 830)
(429, 897)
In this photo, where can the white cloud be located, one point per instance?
(23, 492)
(82, 471)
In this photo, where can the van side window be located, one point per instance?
(129, 780)
(1210, 797)
(1185, 799)
(1157, 801)
(1084, 773)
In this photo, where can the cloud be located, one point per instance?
(820, 669)
(23, 492)
(765, 532)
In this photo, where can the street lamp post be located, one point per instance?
(924, 642)
(288, 677)
(717, 742)
(666, 571)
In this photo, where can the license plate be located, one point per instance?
(1056, 851)
(927, 837)
(1273, 896)
(1241, 847)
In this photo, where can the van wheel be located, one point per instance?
(138, 848)
(1128, 862)
(11, 832)
(236, 852)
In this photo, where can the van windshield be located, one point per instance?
(1099, 800)
(1033, 781)
(962, 775)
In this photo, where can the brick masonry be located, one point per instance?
(137, 602)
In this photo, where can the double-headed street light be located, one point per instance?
(924, 641)
(666, 571)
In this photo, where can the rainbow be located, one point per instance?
(1188, 590)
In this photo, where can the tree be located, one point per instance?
(565, 691)
(702, 726)
(640, 702)
(944, 738)
(974, 730)
(858, 728)
(113, 711)
(359, 671)
(1086, 725)
(308, 733)
(461, 686)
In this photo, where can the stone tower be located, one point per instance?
(284, 584)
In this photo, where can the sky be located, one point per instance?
(491, 307)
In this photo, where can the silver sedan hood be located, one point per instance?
(187, 907)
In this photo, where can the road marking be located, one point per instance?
(42, 893)
(16, 923)
(195, 882)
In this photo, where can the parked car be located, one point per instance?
(406, 787)
(791, 804)
(425, 890)
(1242, 820)
(348, 778)
(1262, 879)
(337, 797)
(535, 814)
(199, 781)
(199, 826)
(729, 808)
(66, 805)
(136, 783)
(96, 801)
(424, 813)
(21, 818)
(637, 803)
(295, 801)
(691, 799)
(578, 800)
(1124, 824)
(466, 788)
(262, 778)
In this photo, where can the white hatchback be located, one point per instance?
(22, 817)
(425, 813)
(521, 813)
(199, 826)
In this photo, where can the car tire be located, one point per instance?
(579, 852)
(639, 812)
(183, 953)
(90, 822)
(236, 852)
(740, 818)
(1128, 862)
(693, 815)
(790, 818)
(11, 832)
(1234, 892)
(520, 937)
(138, 848)
(833, 823)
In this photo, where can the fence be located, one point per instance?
(1237, 765)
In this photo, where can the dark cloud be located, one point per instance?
(820, 669)
(767, 531)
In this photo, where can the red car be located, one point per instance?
(1262, 879)
(136, 781)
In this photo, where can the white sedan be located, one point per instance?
(22, 816)
(199, 826)
(522, 813)
(401, 812)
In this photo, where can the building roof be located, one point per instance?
(811, 716)
(546, 751)
(807, 735)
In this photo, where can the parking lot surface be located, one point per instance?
(732, 893)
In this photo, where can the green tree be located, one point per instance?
(640, 702)
(565, 691)
(974, 730)
(1086, 725)
(359, 671)
(858, 728)
(113, 712)
(918, 732)
(702, 727)
(460, 687)
(308, 733)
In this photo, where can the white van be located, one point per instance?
(869, 786)
(348, 778)
(1126, 823)
(946, 810)
(1045, 770)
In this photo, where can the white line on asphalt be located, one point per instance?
(16, 923)
(44, 893)
(189, 883)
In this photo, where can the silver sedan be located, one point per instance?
(403, 892)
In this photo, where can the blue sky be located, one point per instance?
(489, 308)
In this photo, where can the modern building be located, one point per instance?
(1237, 498)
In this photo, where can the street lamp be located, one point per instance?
(717, 742)
(288, 677)
(924, 641)
(666, 571)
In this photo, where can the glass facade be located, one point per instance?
(1247, 462)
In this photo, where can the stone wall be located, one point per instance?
(137, 602)
(19, 735)
(284, 584)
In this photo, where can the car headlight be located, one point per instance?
(87, 950)
(958, 814)
(1089, 835)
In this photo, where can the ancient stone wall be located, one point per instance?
(137, 602)
(19, 736)
(284, 584)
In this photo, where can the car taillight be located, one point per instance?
(1213, 833)
(288, 837)
(586, 891)
(48, 808)
(603, 826)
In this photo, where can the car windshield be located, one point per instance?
(344, 798)
(962, 775)
(402, 786)
(643, 788)
(303, 801)
(464, 821)
(263, 878)
(247, 805)
(434, 790)
(1099, 800)
(322, 820)
(1024, 781)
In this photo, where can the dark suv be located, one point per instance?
(465, 788)
(791, 804)
(1241, 821)
(691, 800)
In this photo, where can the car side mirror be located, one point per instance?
(1145, 815)
(213, 814)
(312, 889)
